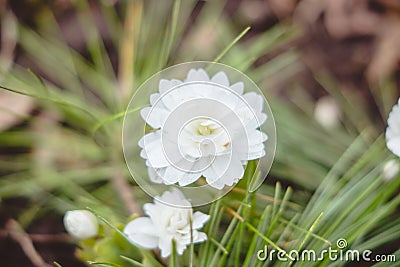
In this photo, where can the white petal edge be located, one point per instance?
(142, 232)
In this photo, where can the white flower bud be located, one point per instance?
(327, 112)
(390, 170)
(81, 224)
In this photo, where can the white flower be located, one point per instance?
(390, 170)
(393, 130)
(327, 112)
(203, 127)
(166, 224)
(81, 224)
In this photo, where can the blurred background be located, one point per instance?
(329, 68)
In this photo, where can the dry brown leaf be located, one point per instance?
(352, 18)
(282, 8)
(393, 5)
(202, 40)
(308, 11)
(13, 108)
(9, 35)
(345, 18)
(253, 10)
(387, 56)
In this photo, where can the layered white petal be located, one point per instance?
(172, 175)
(155, 117)
(166, 85)
(238, 87)
(197, 75)
(166, 224)
(165, 245)
(200, 238)
(154, 175)
(199, 219)
(394, 145)
(220, 78)
(142, 232)
(231, 175)
(189, 178)
(155, 155)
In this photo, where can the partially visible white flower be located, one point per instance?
(393, 130)
(327, 112)
(390, 169)
(81, 224)
(208, 147)
(166, 224)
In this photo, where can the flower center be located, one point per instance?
(200, 141)
(204, 130)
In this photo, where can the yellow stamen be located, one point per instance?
(204, 130)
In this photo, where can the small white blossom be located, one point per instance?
(166, 224)
(327, 112)
(215, 146)
(393, 130)
(81, 224)
(390, 169)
